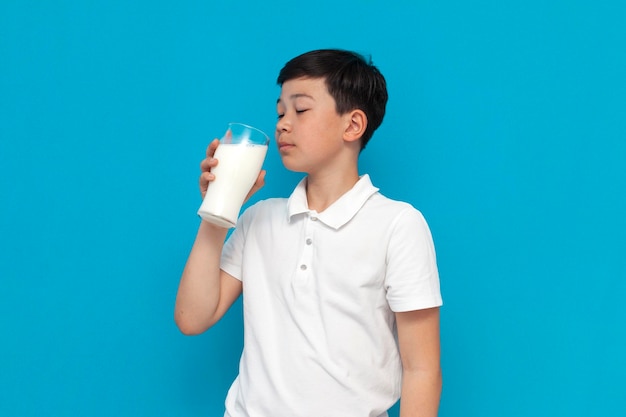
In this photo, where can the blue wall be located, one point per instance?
(506, 126)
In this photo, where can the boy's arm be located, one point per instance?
(418, 339)
(205, 291)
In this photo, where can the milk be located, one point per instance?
(235, 174)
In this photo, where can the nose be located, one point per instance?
(282, 126)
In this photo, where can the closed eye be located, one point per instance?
(281, 115)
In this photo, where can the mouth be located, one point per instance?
(283, 146)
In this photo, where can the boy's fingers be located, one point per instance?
(210, 150)
(205, 167)
(207, 164)
(205, 178)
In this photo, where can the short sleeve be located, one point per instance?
(412, 278)
(232, 254)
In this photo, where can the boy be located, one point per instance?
(340, 284)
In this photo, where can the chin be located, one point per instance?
(291, 165)
(295, 169)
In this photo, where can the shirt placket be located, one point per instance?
(305, 263)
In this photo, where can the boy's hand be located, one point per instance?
(210, 162)
(205, 167)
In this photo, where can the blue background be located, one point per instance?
(506, 127)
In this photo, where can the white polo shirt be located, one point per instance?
(319, 295)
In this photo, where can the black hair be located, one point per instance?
(353, 81)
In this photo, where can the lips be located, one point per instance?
(284, 145)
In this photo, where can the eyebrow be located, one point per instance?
(297, 95)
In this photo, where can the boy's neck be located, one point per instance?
(324, 190)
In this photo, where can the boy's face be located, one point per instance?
(309, 131)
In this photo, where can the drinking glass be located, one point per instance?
(240, 156)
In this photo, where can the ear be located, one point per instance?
(356, 121)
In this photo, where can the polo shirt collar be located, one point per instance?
(341, 211)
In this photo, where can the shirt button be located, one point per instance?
(314, 218)
(303, 267)
(309, 241)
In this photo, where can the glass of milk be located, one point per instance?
(240, 156)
